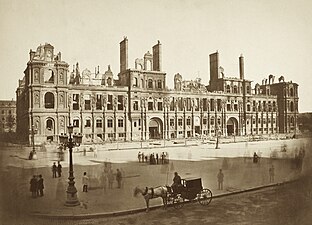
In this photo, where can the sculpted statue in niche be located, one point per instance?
(62, 124)
(36, 77)
(61, 78)
(61, 98)
(37, 98)
(36, 123)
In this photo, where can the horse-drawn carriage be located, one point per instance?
(191, 189)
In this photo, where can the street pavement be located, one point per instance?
(193, 161)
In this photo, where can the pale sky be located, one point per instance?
(275, 37)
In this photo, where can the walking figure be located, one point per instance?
(33, 186)
(54, 169)
(110, 177)
(118, 178)
(255, 158)
(271, 173)
(59, 169)
(220, 180)
(85, 182)
(139, 157)
(40, 185)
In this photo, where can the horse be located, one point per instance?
(156, 192)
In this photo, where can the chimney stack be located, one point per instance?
(157, 57)
(241, 67)
(123, 54)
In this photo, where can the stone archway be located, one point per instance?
(155, 128)
(50, 128)
(232, 126)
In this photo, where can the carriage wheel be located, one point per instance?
(178, 202)
(205, 196)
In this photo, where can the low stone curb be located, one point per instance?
(133, 211)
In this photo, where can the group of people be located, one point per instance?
(153, 158)
(36, 186)
(57, 169)
(32, 155)
(107, 179)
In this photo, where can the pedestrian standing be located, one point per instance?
(95, 152)
(59, 169)
(85, 182)
(271, 173)
(104, 181)
(142, 156)
(157, 157)
(33, 186)
(220, 180)
(139, 157)
(110, 177)
(40, 185)
(54, 169)
(119, 178)
(84, 151)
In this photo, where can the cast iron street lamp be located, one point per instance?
(70, 142)
(33, 131)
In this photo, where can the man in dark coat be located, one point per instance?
(176, 186)
(40, 185)
(54, 169)
(59, 169)
(33, 186)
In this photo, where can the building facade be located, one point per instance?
(139, 106)
(7, 116)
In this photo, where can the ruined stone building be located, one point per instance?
(139, 106)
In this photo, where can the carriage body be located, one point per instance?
(191, 187)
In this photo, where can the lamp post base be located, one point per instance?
(72, 200)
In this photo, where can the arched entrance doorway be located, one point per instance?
(49, 129)
(155, 128)
(232, 126)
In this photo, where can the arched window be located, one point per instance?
(135, 82)
(49, 124)
(228, 89)
(150, 83)
(291, 92)
(109, 81)
(49, 100)
(292, 121)
(159, 84)
(291, 106)
(235, 89)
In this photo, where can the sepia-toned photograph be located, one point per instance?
(144, 112)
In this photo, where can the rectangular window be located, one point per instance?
(180, 132)
(248, 107)
(205, 121)
(150, 105)
(98, 102)
(212, 104)
(219, 106)
(172, 105)
(109, 123)
(235, 107)
(159, 84)
(159, 104)
(110, 135)
(110, 102)
(88, 123)
(188, 121)
(87, 99)
(180, 104)
(188, 104)
(171, 122)
(120, 102)
(205, 105)
(75, 123)
(228, 107)
(75, 101)
(135, 124)
(121, 135)
(196, 104)
(98, 123)
(180, 122)
(120, 122)
(212, 121)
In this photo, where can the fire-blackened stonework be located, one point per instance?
(139, 106)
